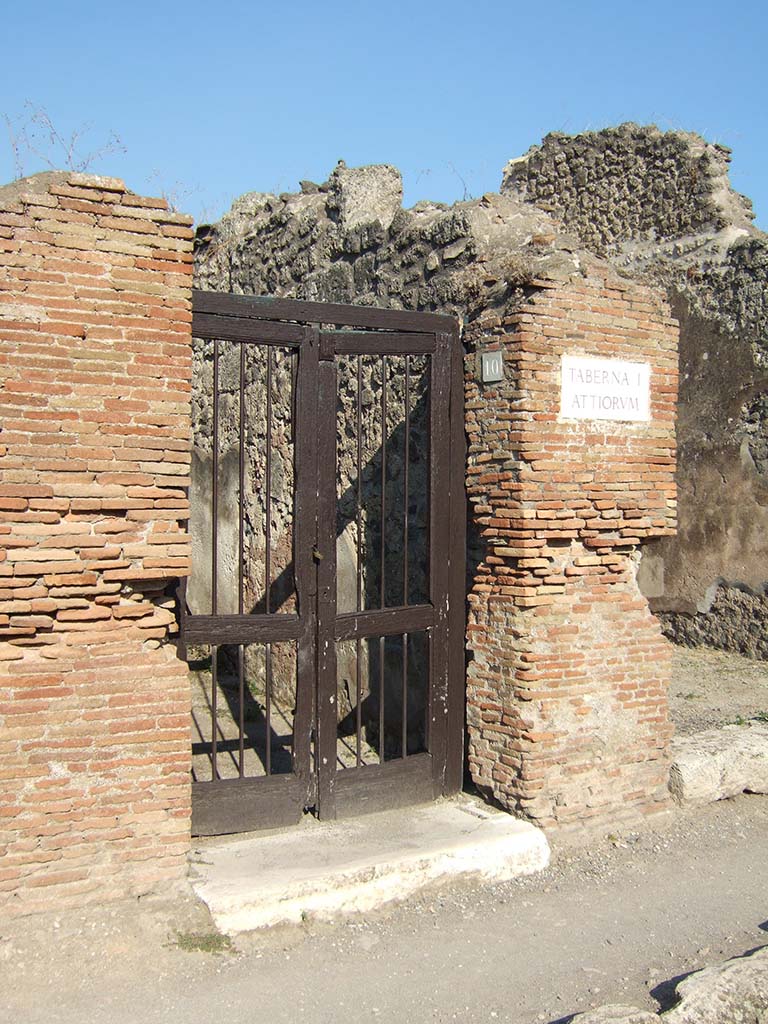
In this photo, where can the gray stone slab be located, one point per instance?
(719, 763)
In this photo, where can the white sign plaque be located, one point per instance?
(604, 389)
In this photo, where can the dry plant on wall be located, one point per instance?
(176, 194)
(35, 139)
(33, 136)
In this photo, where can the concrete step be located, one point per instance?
(323, 869)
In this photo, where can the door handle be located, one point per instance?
(317, 554)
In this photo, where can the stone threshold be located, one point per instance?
(321, 870)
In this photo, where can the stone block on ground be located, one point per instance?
(719, 763)
(734, 992)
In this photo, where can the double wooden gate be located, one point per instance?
(324, 618)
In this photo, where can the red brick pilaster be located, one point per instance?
(567, 709)
(95, 357)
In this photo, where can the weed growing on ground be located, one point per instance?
(204, 942)
(761, 716)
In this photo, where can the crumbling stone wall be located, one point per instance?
(340, 242)
(659, 205)
(629, 183)
(349, 240)
(94, 436)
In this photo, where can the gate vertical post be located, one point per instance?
(439, 552)
(304, 544)
(457, 563)
(326, 716)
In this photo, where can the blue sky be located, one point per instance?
(213, 100)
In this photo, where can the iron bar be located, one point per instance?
(381, 700)
(215, 485)
(405, 696)
(214, 558)
(359, 470)
(214, 708)
(430, 483)
(268, 575)
(268, 709)
(268, 496)
(241, 712)
(406, 456)
(358, 705)
(383, 596)
(382, 599)
(359, 565)
(241, 484)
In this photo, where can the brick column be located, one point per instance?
(567, 709)
(95, 356)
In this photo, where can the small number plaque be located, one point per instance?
(492, 369)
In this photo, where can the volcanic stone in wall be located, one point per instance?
(629, 182)
(659, 205)
(736, 620)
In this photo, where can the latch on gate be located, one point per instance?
(327, 347)
(317, 554)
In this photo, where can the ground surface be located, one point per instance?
(614, 919)
(713, 688)
(611, 921)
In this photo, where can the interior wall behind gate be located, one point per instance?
(95, 363)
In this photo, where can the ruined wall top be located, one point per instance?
(657, 205)
(630, 182)
(350, 240)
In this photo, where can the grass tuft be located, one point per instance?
(204, 942)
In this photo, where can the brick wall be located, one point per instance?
(567, 710)
(94, 433)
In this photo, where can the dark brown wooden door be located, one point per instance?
(324, 618)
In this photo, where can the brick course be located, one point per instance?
(95, 371)
(567, 710)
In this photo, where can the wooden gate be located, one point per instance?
(324, 618)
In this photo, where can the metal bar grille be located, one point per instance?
(391, 623)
